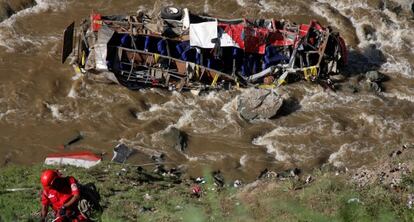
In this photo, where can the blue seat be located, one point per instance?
(126, 41)
(186, 52)
(273, 57)
(251, 65)
(162, 47)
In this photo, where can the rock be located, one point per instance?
(175, 138)
(374, 76)
(374, 87)
(9, 8)
(160, 157)
(412, 7)
(267, 174)
(258, 104)
(289, 173)
(337, 78)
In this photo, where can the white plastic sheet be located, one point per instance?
(202, 34)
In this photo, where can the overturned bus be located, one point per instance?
(179, 50)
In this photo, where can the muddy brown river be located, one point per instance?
(42, 106)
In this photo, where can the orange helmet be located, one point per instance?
(48, 176)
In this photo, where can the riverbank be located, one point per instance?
(382, 191)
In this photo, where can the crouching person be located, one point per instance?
(62, 194)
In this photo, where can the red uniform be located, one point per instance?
(60, 193)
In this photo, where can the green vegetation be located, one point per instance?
(134, 195)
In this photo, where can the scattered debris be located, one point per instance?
(159, 169)
(16, 190)
(389, 174)
(83, 159)
(147, 197)
(218, 178)
(173, 172)
(266, 174)
(76, 138)
(200, 180)
(158, 157)
(237, 183)
(309, 179)
(196, 191)
(410, 201)
(353, 200)
(146, 209)
(395, 153)
(259, 104)
(121, 153)
(289, 173)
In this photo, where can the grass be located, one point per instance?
(133, 195)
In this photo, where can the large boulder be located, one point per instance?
(10, 7)
(175, 138)
(259, 104)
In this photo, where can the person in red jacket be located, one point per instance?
(62, 194)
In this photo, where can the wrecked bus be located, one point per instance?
(178, 50)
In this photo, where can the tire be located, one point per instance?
(171, 12)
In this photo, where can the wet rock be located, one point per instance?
(267, 174)
(374, 76)
(258, 104)
(9, 8)
(175, 138)
(337, 78)
(374, 80)
(371, 87)
(369, 32)
(289, 173)
(159, 169)
(412, 7)
(158, 157)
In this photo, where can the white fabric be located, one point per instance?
(71, 161)
(201, 34)
(227, 41)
